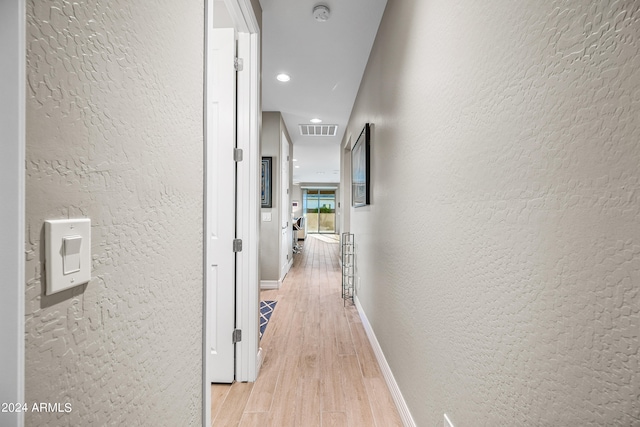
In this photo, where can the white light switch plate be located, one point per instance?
(67, 252)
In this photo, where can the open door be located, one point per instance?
(232, 202)
(220, 214)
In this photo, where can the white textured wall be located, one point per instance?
(500, 259)
(114, 133)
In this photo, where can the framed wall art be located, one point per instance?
(265, 183)
(361, 169)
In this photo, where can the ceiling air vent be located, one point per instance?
(318, 130)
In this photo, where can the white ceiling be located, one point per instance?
(326, 61)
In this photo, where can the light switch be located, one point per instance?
(71, 254)
(68, 253)
(266, 216)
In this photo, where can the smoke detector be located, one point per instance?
(321, 13)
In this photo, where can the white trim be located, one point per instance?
(270, 284)
(259, 359)
(206, 386)
(401, 404)
(319, 187)
(248, 185)
(12, 210)
(287, 267)
(243, 16)
(285, 270)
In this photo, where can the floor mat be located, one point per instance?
(266, 309)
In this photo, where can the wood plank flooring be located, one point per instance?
(318, 366)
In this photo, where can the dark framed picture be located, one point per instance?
(361, 169)
(265, 183)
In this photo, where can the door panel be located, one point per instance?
(220, 205)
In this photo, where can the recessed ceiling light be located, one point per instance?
(282, 77)
(295, 160)
(316, 120)
(297, 166)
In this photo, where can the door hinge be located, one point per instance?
(238, 64)
(237, 335)
(237, 154)
(237, 245)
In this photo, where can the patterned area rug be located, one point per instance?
(266, 309)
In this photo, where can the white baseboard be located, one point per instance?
(286, 271)
(270, 284)
(401, 405)
(288, 268)
(259, 359)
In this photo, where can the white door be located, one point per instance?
(286, 244)
(220, 205)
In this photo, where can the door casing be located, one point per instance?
(286, 244)
(12, 212)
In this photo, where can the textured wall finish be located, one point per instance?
(500, 258)
(114, 133)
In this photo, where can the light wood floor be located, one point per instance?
(319, 368)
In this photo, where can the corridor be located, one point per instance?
(319, 368)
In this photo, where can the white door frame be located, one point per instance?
(247, 187)
(248, 184)
(12, 210)
(286, 239)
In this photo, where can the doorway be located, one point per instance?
(286, 245)
(319, 207)
(232, 205)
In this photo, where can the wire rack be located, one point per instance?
(348, 267)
